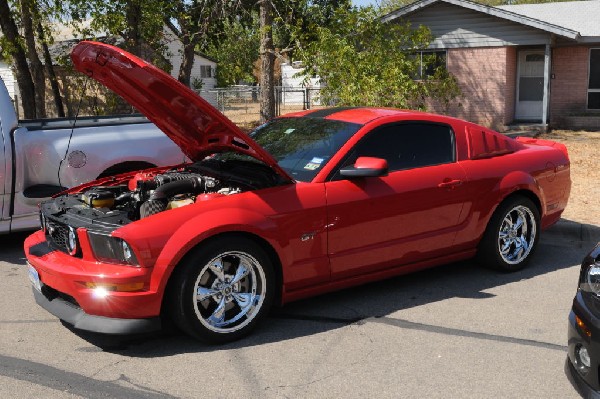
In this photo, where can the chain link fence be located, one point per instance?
(242, 104)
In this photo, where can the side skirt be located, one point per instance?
(376, 276)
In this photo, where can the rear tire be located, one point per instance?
(222, 290)
(511, 236)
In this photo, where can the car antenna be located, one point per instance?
(71, 134)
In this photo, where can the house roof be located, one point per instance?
(580, 16)
(500, 12)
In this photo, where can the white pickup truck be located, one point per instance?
(40, 158)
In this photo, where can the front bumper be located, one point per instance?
(68, 292)
(75, 316)
(586, 382)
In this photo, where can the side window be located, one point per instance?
(407, 145)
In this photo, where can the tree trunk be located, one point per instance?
(267, 62)
(187, 62)
(11, 34)
(133, 15)
(37, 69)
(58, 104)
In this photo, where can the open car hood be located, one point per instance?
(190, 121)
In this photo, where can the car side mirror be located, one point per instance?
(366, 167)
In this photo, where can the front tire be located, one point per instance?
(222, 290)
(511, 236)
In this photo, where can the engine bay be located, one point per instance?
(120, 201)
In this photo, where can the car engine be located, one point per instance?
(122, 200)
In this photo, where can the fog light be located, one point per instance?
(100, 292)
(582, 359)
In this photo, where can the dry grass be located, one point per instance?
(584, 152)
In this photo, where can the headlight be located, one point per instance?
(592, 279)
(128, 255)
(112, 249)
(72, 241)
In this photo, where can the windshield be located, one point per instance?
(302, 146)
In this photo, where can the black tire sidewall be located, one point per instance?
(184, 280)
(489, 253)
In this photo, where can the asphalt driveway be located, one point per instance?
(453, 331)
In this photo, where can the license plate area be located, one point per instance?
(34, 277)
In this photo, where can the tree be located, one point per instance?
(387, 6)
(139, 23)
(364, 61)
(286, 27)
(236, 48)
(282, 26)
(42, 37)
(267, 61)
(191, 21)
(22, 27)
(35, 65)
(13, 46)
(297, 21)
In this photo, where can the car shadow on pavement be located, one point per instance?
(562, 246)
(11, 248)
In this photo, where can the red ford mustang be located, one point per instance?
(307, 203)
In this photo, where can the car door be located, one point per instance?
(411, 214)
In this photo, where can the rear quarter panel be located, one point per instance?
(539, 170)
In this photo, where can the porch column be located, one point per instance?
(546, 99)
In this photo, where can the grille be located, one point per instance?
(57, 235)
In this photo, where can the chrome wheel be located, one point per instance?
(229, 292)
(517, 235)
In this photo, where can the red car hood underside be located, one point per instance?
(190, 121)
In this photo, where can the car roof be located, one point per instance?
(360, 115)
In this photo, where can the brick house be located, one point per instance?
(536, 63)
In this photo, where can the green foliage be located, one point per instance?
(98, 18)
(387, 6)
(235, 48)
(296, 22)
(234, 42)
(364, 62)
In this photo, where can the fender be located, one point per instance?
(487, 205)
(511, 183)
(209, 224)
(519, 180)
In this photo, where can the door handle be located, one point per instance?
(450, 183)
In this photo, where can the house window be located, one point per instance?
(206, 71)
(429, 62)
(594, 80)
(534, 58)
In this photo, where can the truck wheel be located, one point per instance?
(511, 236)
(223, 290)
